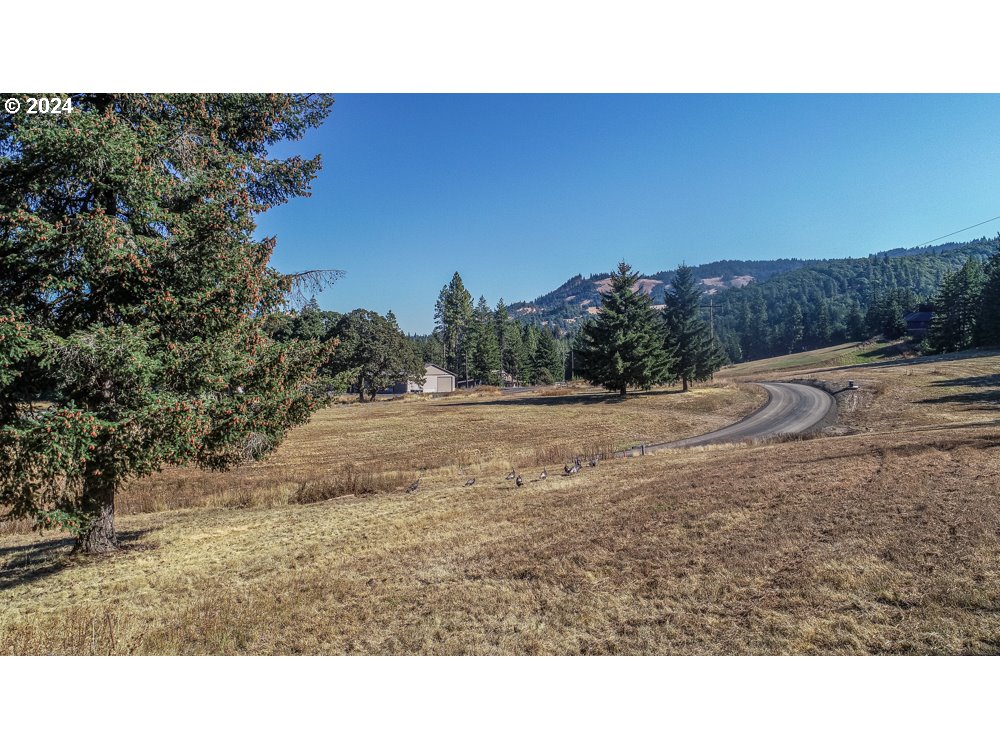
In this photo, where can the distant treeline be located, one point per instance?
(479, 344)
(830, 302)
(806, 305)
(967, 307)
(792, 304)
(484, 345)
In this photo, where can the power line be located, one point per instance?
(960, 230)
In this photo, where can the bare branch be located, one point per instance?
(308, 283)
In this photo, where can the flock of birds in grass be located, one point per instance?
(568, 470)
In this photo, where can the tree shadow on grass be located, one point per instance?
(914, 361)
(986, 395)
(34, 562)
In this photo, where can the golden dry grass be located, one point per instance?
(881, 541)
(360, 448)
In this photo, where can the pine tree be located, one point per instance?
(824, 323)
(547, 363)
(956, 310)
(485, 349)
(529, 335)
(309, 323)
(894, 324)
(794, 327)
(134, 296)
(511, 340)
(856, 329)
(622, 345)
(988, 330)
(518, 360)
(453, 315)
(696, 354)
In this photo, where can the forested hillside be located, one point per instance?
(763, 308)
(566, 306)
(831, 301)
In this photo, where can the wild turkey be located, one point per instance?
(544, 475)
(512, 475)
(574, 469)
(567, 469)
(413, 487)
(593, 461)
(470, 482)
(519, 481)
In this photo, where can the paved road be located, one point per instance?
(792, 408)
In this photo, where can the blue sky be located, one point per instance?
(518, 193)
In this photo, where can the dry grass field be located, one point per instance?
(881, 537)
(354, 448)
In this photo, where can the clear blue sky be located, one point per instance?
(518, 193)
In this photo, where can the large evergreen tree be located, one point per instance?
(688, 338)
(622, 345)
(793, 327)
(957, 306)
(854, 326)
(755, 332)
(988, 331)
(547, 362)
(453, 315)
(510, 337)
(485, 348)
(529, 335)
(133, 296)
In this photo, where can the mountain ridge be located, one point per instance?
(578, 298)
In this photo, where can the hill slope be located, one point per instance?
(765, 308)
(579, 297)
(569, 304)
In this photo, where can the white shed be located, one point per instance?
(436, 380)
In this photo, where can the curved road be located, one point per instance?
(791, 409)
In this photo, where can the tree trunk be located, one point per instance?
(99, 504)
(622, 390)
(684, 380)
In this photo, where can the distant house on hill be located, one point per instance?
(917, 323)
(436, 380)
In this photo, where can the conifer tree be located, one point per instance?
(623, 345)
(309, 323)
(694, 351)
(956, 310)
(529, 335)
(754, 326)
(133, 296)
(988, 331)
(894, 322)
(824, 325)
(484, 346)
(453, 314)
(511, 340)
(794, 327)
(856, 329)
(518, 360)
(547, 363)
